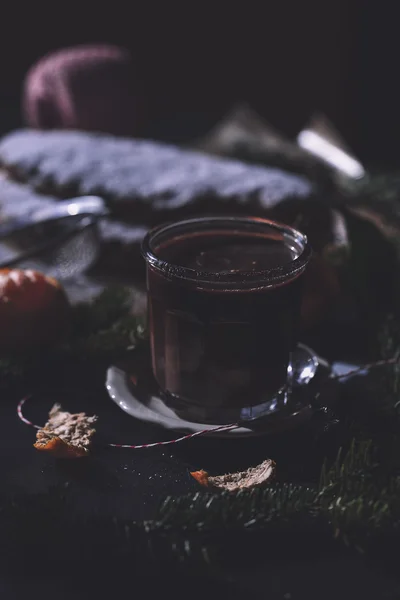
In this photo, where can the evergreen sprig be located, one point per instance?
(201, 528)
(101, 330)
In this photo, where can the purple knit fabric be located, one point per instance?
(89, 88)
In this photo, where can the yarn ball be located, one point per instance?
(89, 88)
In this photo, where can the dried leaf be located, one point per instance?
(60, 449)
(66, 435)
(233, 482)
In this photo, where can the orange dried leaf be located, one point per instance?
(233, 482)
(66, 435)
(60, 449)
(200, 476)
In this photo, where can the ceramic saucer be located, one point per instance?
(134, 390)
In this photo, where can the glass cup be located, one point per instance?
(224, 298)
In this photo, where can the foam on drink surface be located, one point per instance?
(229, 253)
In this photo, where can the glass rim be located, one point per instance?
(261, 278)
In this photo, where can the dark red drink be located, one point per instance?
(224, 300)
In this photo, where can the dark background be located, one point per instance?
(285, 59)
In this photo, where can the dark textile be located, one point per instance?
(143, 180)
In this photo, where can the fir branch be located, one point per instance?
(118, 338)
(102, 313)
(101, 331)
(201, 528)
(226, 511)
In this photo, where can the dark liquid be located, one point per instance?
(225, 347)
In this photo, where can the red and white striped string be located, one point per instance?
(21, 415)
(366, 367)
(137, 446)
